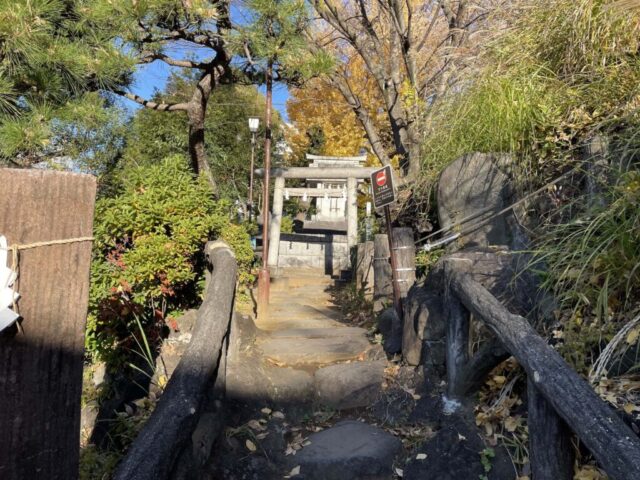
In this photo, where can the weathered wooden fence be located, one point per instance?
(48, 217)
(201, 371)
(558, 396)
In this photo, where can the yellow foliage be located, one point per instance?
(319, 105)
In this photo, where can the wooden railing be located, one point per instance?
(557, 396)
(153, 454)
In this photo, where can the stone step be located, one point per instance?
(349, 385)
(286, 283)
(294, 311)
(297, 323)
(295, 333)
(313, 351)
(349, 450)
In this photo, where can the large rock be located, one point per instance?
(502, 272)
(505, 274)
(349, 385)
(350, 450)
(424, 327)
(390, 326)
(472, 184)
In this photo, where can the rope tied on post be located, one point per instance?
(15, 250)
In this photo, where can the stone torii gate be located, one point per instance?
(350, 174)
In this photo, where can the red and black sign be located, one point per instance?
(382, 187)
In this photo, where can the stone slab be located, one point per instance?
(295, 333)
(349, 450)
(349, 385)
(298, 323)
(313, 351)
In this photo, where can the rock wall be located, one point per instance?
(476, 185)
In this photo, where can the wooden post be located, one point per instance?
(41, 366)
(457, 343)
(276, 224)
(364, 269)
(264, 280)
(406, 259)
(382, 289)
(352, 212)
(397, 302)
(550, 446)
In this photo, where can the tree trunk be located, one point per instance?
(196, 115)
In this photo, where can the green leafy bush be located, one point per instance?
(148, 251)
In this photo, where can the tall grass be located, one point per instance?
(563, 71)
(593, 260)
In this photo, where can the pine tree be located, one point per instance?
(161, 31)
(49, 61)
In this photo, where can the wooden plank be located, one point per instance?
(154, 452)
(550, 448)
(41, 369)
(612, 443)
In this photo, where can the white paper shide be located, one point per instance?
(7, 296)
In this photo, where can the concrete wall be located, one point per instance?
(316, 250)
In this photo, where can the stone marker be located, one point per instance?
(471, 184)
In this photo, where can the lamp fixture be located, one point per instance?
(254, 124)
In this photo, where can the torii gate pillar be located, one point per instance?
(275, 225)
(352, 212)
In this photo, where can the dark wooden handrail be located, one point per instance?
(154, 451)
(608, 438)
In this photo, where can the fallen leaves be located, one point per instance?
(294, 472)
(296, 444)
(250, 445)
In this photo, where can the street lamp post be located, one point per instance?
(263, 274)
(254, 123)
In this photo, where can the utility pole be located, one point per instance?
(263, 275)
(254, 123)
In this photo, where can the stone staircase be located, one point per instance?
(304, 361)
(286, 358)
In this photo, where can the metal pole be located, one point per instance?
(263, 275)
(253, 156)
(397, 303)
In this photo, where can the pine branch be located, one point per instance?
(174, 62)
(162, 107)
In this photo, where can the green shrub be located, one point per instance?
(287, 225)
(148, 257)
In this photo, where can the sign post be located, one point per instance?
(384, 194)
